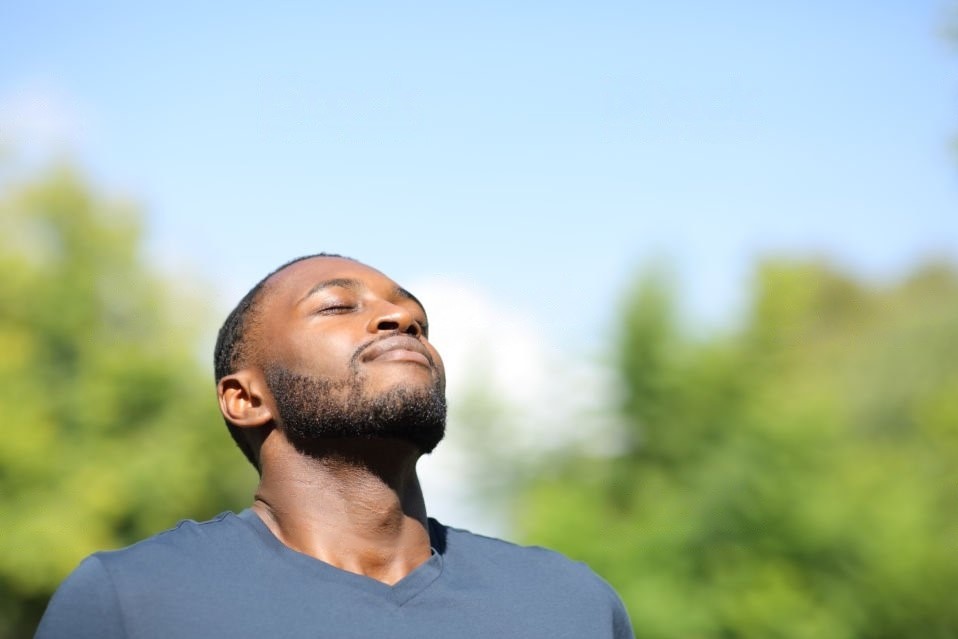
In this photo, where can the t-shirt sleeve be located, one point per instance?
(621, 626)
(84, 606)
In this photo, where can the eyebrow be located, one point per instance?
(336, 282)
(356, 285)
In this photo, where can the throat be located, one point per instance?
(386, 549)
(360, 516)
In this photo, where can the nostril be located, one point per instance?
(388, 325)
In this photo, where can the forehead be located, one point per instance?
(289, 286)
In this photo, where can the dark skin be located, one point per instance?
(353, 503)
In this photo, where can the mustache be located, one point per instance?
(358, 354)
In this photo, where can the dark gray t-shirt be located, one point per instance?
(230, 577)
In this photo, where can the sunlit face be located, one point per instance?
(345, 353)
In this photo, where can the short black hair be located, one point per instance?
(232, 345)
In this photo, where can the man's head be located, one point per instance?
(325, 348)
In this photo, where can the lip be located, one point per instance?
(398, 348)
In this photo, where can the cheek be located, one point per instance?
(321, 354)
(439, 364)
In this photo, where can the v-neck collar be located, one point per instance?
(398, 594)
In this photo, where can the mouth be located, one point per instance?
(398, 348)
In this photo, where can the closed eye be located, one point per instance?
(335, 309)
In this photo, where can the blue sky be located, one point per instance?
(538, 152)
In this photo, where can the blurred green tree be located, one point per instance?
(798, 478)
(111, 431)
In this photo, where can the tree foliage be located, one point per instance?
(111, 431)
(798, 478)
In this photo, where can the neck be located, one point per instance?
(356, 505)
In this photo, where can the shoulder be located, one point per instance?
(104, 584)
(506, 553)
(178, 546)
(85, 605)
(523, 566)
(545, 583)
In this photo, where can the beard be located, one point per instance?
(314, 408)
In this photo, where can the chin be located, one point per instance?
(312, 409)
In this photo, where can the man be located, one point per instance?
(328, 382)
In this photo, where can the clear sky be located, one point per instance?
(515, 160)
(539, 151)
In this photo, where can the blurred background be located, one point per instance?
(692, 267)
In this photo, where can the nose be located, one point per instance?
(394, 318)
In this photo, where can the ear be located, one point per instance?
(243, 399)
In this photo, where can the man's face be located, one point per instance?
(345, 354)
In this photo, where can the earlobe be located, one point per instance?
(242, 399)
